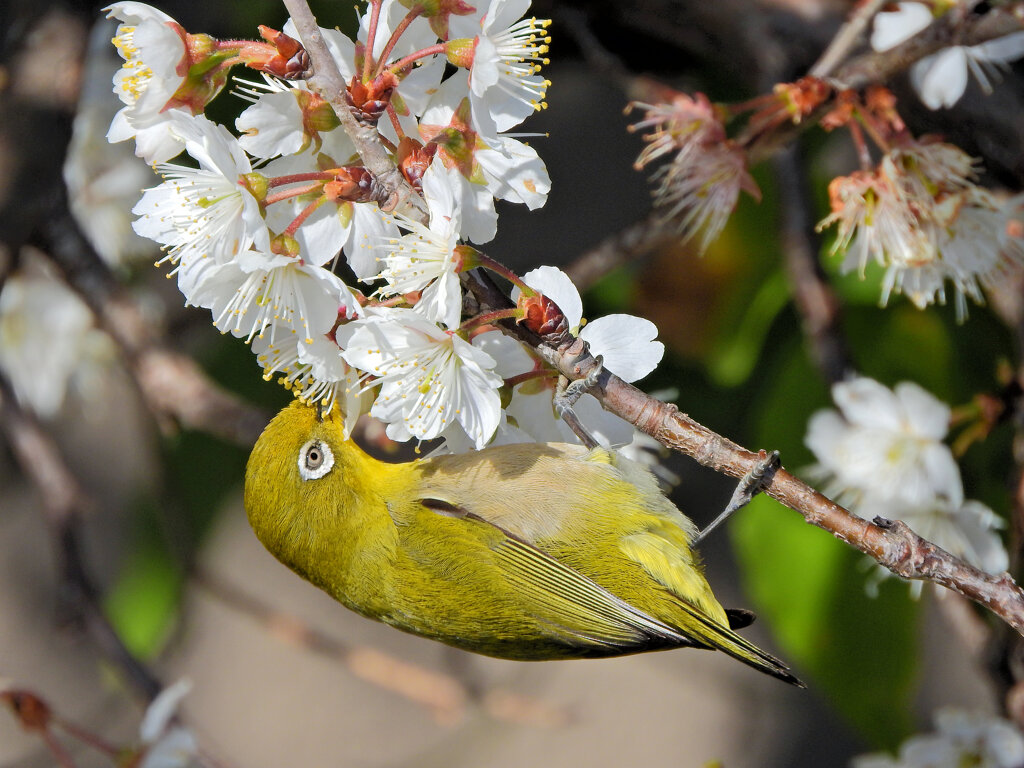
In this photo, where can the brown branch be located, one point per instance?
(173, 386)
(327, 81)
(951, 29)
(627, 245)
(891, 543)
(64, 503)
(444, 696)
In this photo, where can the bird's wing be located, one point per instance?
(575, 607)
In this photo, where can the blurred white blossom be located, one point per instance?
(166, 744)
(920, 215)
(48, 342)
(962, 739)
(103, 179)
(699, 187)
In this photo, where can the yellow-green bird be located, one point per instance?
(531, 551)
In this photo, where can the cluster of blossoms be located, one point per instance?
(882, 454)
(256, 233)
(920, 215)
(697, 190)
(962, 739)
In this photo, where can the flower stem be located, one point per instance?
(292, 178)
(407, 61)
(537, 373)
(371, 35)
(393, 41)
(872, 130)
(286, 194)
(393, 117)
(863, 154)
(303, 215)
(488, 318)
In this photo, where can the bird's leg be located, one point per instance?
(566, 396)
(752, 483)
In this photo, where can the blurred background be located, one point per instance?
(283, 675)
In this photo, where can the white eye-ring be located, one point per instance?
(315, 460)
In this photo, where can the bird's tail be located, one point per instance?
(706, 630)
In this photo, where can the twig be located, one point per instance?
(327, 81)
(880, 67)
(444, 696)
(627, 245)
(604, 62)
(891, 543)
(172, 385)
(847, 37)
(951, 29)
(816, 301)
(63, 504)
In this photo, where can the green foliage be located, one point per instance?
(860, 651)
(733, 359)
(143, 602)
(201, 472)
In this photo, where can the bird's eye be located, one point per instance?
(315, 460)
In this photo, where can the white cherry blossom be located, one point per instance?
(505, 84)
(624, 341)
(203, 216)
(260, 291)
(316, 372)
(495, 166)
(152, 48)
(428, 377)
(425, 259)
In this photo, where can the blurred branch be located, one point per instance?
(847, 38)
(815, 300)
(64, 503)
(629, 244)
(443, 695)
(891, 543)
(173, 386)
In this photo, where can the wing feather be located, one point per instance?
(579, 601)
